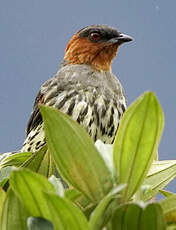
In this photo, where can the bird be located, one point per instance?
(84, 87)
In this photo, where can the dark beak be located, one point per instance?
(125, 38)
(120, 39)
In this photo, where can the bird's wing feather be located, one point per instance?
(35, 117)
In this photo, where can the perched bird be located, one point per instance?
(84, 87)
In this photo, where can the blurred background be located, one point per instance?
(33, 36)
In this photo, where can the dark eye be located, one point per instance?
(95, 36)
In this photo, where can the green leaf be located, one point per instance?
(160, 174)
(34, 161)
(127, 217)
(103, 211)
(80, 200)
(40, 162)
(152, 218)
(137, 217)
(64, 215)
(169, 208)
(5, 155)
(38, 223)
(75, 155)
(171, 227)
(29, 187)
(137, 142)
(14, 214)
(166, 193)
(15, 159)
(2, 200)
(4, 182)
(72, 194)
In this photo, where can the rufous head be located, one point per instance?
(95, 45)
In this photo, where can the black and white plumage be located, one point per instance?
(94, 99)
(84, 87)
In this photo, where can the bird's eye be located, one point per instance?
(95, 36)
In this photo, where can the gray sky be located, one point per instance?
(33, 36)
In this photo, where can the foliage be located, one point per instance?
(94, 187)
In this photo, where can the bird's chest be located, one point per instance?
(97, 113)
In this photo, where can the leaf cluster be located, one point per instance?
(72, 183)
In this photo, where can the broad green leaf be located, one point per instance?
(75, 155)
(137, 142)
(169, 208)
(152, 218)
(47, 166)
(80, 200)
(138, 217)
(72, 194)
(171, 227)
(2, 199)
(160, 174)
(56, 182)
(41, 162)
(103, 211)
(166, 193)
(38, 223)
(4, 156)
(15, 159)
(29, 187)
(127, 217)
(14, 214)
(34, 161)
(64, 215)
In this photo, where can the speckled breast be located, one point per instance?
(94, 99)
